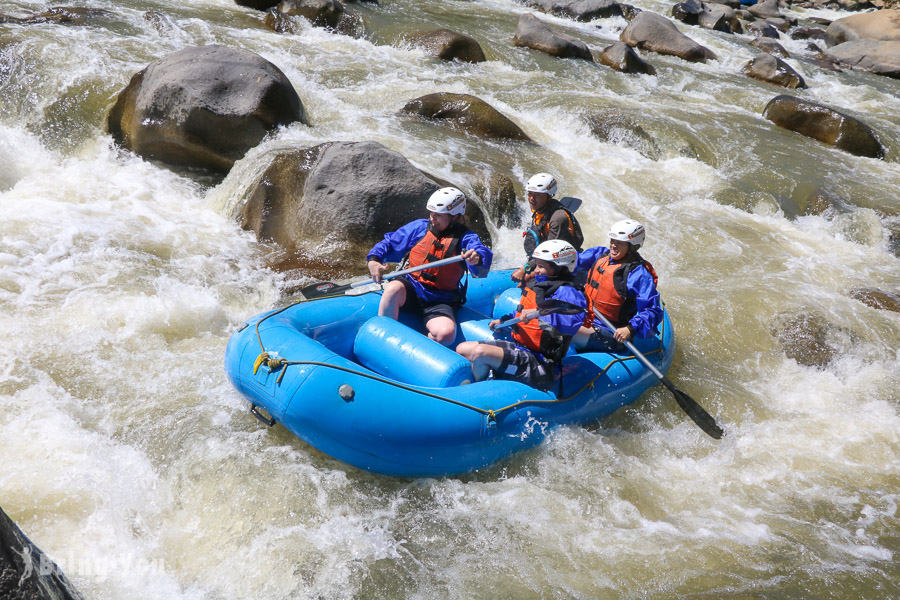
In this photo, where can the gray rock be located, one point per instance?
(881, 58)
(26, 573)
(335, 200)
(715, 17)
(621, 57)
(579, 10)
(203, 107)
(772, 69)
(534, 34)
(466, 113)
(807, 33)
(688, 12)
(765, 10)
(652, 32)
(824, 124)
(621, 128)
(763, 29)
(449, 45)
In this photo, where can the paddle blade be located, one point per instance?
(697, 413)
(323, 288)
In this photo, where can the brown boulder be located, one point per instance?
(652, 32)
(772, 69)
(203, 107)
(621, 57)
(498, 199)
(882, 25)
(771, 46)
(533, 33)
(466, 113)
(824, 124)
(449, 45)
(333, 201)
(877, 298)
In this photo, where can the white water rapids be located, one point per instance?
(127, 456)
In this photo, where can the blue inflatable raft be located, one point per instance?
(377, 394)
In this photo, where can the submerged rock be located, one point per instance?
(26, 573)
(449, 45)
(877, 298)
(804, 338)
(203, 107)
(337, 199)
(466, 113)
(537, 35)
(825, 124)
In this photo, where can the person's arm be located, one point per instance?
(471, 241)
(394, 247)
(567, 324)
(587, 258)
(649, 313)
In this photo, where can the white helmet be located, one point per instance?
(447, 201)
(544, 183)
(628, 231)
(560, 252)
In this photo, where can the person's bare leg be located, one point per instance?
(393, 297)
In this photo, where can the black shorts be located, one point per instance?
(522, 365)
(602, 340)
(425, 310)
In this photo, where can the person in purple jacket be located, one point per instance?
(621, 285)
(434, 294)
(538, 344)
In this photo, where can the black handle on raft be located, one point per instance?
(267, 421)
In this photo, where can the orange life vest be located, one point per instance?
(539, 230)
(432, 248)
(537, 335)
(606, 289)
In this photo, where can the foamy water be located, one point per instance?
(128, 457)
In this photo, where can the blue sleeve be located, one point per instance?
(649, 314)
(396, 244)
(587, 258)
(567, 324)
(471, 241)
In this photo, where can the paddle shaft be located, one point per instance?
(430, 265)
(560, 307)
(690, 406)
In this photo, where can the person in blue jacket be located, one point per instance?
(538, 344)
(434, 294)
(621, 285)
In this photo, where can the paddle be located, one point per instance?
(570, 203)
(328, 288)
(696, 412)
(546, 307)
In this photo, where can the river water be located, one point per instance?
(127, 456)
